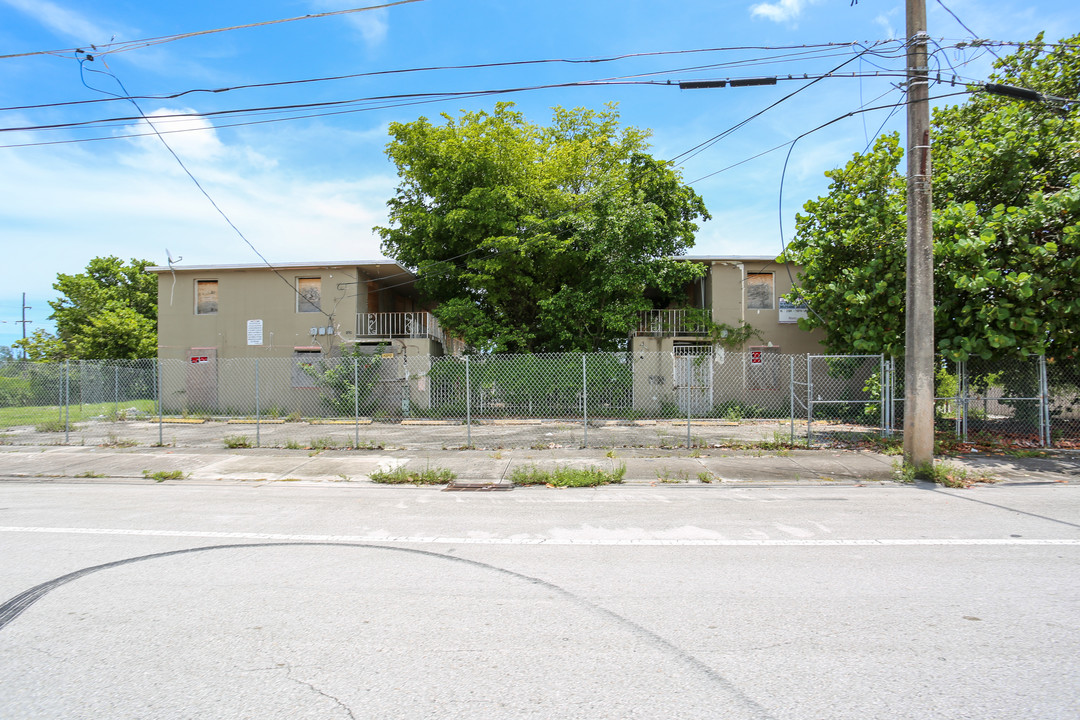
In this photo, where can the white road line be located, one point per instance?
(643, 541)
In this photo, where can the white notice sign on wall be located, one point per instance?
(254, 332)
(791, 312)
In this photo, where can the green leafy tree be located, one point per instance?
(1006, 226)
(107, 312)
(538, 239)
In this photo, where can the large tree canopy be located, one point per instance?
(538, 239)
(1006, 226)
(107, 312)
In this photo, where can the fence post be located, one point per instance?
(791, 396)
(116, 392)
(60, 396)
(468, 405)
(584, 403)
(356, 401)
(966, 397)
(1045, 438)
(67, 400)
(258, 426)
(686, 384)
(881, 393)
(809, 396)
(157, 383)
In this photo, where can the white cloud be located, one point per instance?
(61, 20)
(372, 24)
(885, 22)
(67, 204)
(780, 11)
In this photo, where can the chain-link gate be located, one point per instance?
(845, 395)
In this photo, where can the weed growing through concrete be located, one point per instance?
(50, 426)
(114, 441)
(404, 476)
(947, 474)
(237, 441)
(705, 477)
(323, 443)
(567, 477)
(90, 474)
(163, 475)
(291, 444)
(665, 476)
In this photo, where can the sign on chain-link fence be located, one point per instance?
(694, 396)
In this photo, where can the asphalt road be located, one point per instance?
(289, 600)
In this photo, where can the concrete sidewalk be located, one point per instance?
(647, 466)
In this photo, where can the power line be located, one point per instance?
(435, 96)
(961, 22)
(124, 46)
(188, 172)
(783, 174)
(478, 66)
(701, 147)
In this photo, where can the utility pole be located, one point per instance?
(23, 322)
(919, 301)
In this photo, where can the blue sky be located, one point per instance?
(312, 188)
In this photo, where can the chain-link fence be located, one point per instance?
(1033, 400)
(693, 395)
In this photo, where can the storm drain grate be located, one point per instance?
(477, 486)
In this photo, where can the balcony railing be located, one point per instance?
(668, 323)
(398, 325)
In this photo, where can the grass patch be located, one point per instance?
(163, 475)
(237, 441)
(566, 477)
(50, 426)
(1026, 453)
(946, 474)
(40, 414)
(293, 445)
(404, 476)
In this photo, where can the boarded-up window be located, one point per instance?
(206, 297)
(759, 291)
(308, 294)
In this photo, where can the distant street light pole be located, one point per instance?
(919, 300)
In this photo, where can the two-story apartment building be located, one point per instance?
(293, 313)
(678, 362)
(734, 290)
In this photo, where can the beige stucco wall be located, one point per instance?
(255, 294)
(728, 299)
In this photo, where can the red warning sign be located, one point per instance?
(755, 357)
(197, 360)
